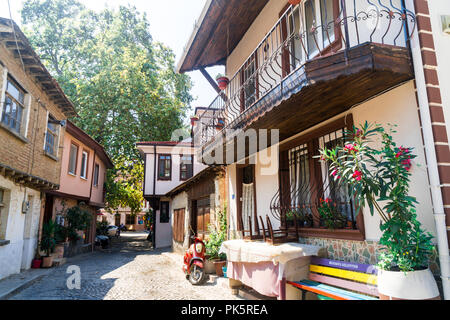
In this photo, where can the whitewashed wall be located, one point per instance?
(21, 230)
(397, 106)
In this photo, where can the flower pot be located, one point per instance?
(194, 120)
(36, 264)
(223, 82)
(47, 262)
(415, 285)
(294, 2)
(209, 267)
(219, 265)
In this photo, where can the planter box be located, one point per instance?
(416, 285)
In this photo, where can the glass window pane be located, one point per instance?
(327, 12)
(73, 158)
(310, 23)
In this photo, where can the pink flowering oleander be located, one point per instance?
(357, 175)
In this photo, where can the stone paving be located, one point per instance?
(130, 270)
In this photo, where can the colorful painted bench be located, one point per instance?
(339, 280)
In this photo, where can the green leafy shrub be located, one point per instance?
(48, 241)
(383, 175)
(78, 219)
(217, 236)
(330, 215)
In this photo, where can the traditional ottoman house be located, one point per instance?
(33, 110)
(82, 182)
(195, 205)
(167, 165)
(299, 75)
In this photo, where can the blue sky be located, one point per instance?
(171, 22)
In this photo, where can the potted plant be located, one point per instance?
(222, 81)
(290, 216)
(383, 174)
(220, 124)
(216, 237)
(330, 215)
(48, 243)
(61, 237)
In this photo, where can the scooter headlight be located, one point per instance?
(199, 248)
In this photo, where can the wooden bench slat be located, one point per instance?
(318, 291)
(337, 291)
(351, 266)
(345, 274)
(349, 285)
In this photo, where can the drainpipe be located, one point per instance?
(432, 167)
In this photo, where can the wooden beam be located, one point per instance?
(210, 80)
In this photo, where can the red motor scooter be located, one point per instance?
(194, 262)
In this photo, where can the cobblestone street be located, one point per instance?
(130, 270)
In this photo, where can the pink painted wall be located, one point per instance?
(97, 192)
(74, 184)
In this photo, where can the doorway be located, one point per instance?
(246, 197)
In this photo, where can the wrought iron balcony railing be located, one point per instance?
(313, 29)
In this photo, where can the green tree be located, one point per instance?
(123, 84)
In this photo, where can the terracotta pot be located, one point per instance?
(47, 262)
(416, 285)
(36, 264)
(223, 82)
(194, 120)
(219, 265)
(294, 2)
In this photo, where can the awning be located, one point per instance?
(221, 26)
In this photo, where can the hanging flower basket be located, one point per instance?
(222, 82)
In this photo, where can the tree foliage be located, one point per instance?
(123, 84)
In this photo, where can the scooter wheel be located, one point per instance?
(197, 275)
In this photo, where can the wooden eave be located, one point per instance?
(220, 29)
(21, 49)
(26, 179)
(324, 88)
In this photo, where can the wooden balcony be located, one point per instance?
(294, 85)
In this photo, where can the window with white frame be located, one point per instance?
(51, 136)
(314, 23)
(73, 157)
(84, 164)
(14, 106)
